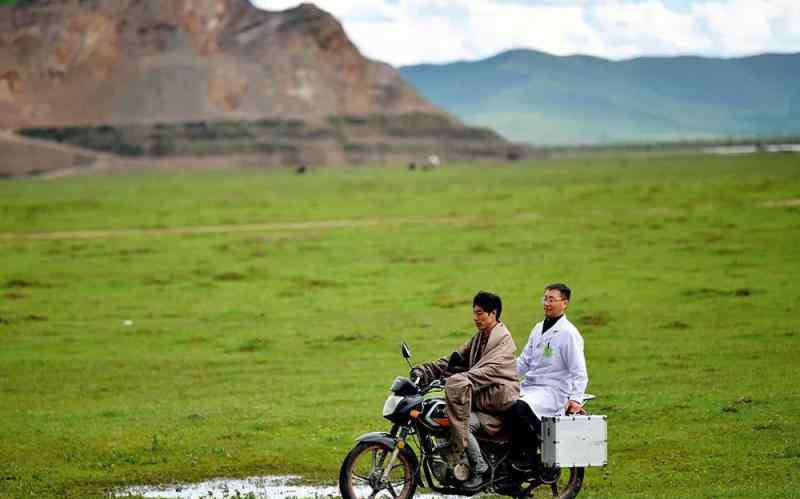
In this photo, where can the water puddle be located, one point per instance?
(751, 148)
(264, 487)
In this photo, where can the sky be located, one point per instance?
(403, 32)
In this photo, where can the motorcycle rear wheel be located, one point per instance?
(361, 474)
(566, 485)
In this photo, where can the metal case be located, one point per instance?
(574, 441)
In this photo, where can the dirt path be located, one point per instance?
(263, 227)
(783, 203)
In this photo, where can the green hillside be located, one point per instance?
(544, 99)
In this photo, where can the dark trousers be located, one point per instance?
(524, 425)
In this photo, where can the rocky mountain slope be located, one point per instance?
(139, 65)
(544, 99)
(67, 62)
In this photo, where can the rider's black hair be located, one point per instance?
(562, 288)
(488, 302)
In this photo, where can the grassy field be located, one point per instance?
(263, 337)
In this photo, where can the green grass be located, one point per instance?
(268, 351)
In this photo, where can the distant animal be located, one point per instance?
(412, 166)
(433, 162)
(300, 170)
(514, 154)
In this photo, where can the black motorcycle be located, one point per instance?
(385, 465)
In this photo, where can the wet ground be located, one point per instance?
(751, 148)
(265, 487)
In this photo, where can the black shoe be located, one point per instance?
(550, 475)
(525, 461)
(523, 466)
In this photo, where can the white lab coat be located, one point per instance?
(553, 367)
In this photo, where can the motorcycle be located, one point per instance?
(384, 465)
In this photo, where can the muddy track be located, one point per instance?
(263, 227)
(783, 203)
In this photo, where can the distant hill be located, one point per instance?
(64, 62)
(205, 79)
(543, 99)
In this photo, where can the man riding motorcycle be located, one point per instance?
(485, 382)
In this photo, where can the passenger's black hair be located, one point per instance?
(488, 302)
(561, 287)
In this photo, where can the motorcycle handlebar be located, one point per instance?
(436, 384)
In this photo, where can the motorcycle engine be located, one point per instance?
(439, 459)
(461, 471)
(443, 472)
(439, 468)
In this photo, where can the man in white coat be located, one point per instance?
(552, 367)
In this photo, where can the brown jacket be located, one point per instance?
(492, 373)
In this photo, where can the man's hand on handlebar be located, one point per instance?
(437, 383)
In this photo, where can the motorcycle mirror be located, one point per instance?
(406, 354)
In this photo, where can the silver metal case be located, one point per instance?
(574, 441)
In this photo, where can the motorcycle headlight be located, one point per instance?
(391, 404)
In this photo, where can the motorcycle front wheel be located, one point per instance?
(363, 470)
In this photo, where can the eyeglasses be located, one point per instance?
(549, 299)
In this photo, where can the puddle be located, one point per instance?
(264, 487)
(751, 148)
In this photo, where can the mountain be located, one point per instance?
(209, 78)
(542, 99)
(70, 62)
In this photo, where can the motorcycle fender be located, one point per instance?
(386, 439)
(378, 437)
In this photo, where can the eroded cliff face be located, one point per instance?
(74, 62)
(86, 83)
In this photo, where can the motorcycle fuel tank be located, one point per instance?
(574, 441)
(434, 415)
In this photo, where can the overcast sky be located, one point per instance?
(414, 31)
